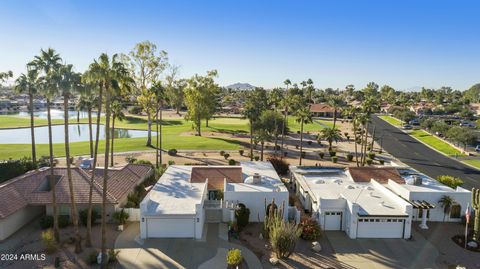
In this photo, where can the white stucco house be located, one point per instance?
(368, 202)
(185, 197)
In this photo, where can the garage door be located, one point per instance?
(380, 228)
(170, 228)
(333, 221)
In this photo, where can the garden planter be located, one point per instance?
(120, 227)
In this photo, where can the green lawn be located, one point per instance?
(435, 142)
(475, 163)
(176, 134)
(393, 121)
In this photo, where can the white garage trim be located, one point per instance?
(333, 220)
(170, 227)
(380, 227)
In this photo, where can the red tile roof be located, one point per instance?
(24, 190)
(216, 176)
(380, 174)
(321, 107)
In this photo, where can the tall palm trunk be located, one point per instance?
(105, 180)
(199, 125)
(53, 185)
(284, 125)
(32, 131)
(355, 137)
(261, 155)
(301, 142)
(364, 145)
(90, 132)
(334, 117)
(276, 131)
(78, 116)
(149, 129)
(251, 140)
(113, 140)
(160, 133)
(73, 205)
(158, 141)
(88, 242)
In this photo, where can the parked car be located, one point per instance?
(414, 122)
(468, 124)
(407, 127)
(86, 163)
(477, 148)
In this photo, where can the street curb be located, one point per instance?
(476, 168)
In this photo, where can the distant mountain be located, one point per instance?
(240, 86)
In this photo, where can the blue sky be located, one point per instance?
(405, 44)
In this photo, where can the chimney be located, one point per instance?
(257, 179)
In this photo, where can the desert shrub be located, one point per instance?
(309, 142)
(371, 155)
(44, 161)
(291, 200)
(63, 221)
(136, 110)
(280, 165)
(232, 162)
(84, 216)
(144, 162)
(452, 182)
(382, 162)
(112, 255)
(171, 162)
(321, 155)
(369, 161)
(222, 152)
(256, 158)
(283, 236)
(241, 151)
(12, 168)
(46, 221)
(296, 146)
(130, 159)
(121, 217)
(303, 154)
(130, 204)
(242, 214)
(48, 240)
(133, 199)
(234, 257)
(334, 159)
(332, 153)
(226, 156)
(92, 257)
(172, 152)
(349, 157)
(310, 228)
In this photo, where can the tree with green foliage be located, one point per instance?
(69, 82)
(473, 94)
(47, 65)
(285, 103)
(302, 116)
(5, 75)
(200, 94)
(147, 64)
(28, 84)
(331, 135)
(268, 125)
(446, 202)
(255, 104)
(174, 88)
(336, 102)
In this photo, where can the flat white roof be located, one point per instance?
(428, 184)
(270, 181)
(333, 184)
(173, 194)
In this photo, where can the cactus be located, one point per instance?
(272, 212)
(476, 207)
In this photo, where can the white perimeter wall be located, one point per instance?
(255, 201)
(17, 220)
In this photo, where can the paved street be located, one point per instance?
(421, 157)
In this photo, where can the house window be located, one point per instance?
(455, 211)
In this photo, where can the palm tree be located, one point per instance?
(5, 75)
(87, 102)
(117, 113)
(331, 134)
(303, 116)
(159, 91)
(47, 63)
(28, 84)
(275, 97)
(286, 105)
(352, 112)
(110, 73)
(90, 78)
(335, 102)
(446, 202)
(69, 82)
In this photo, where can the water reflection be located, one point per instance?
(77, 133)
(56, 114)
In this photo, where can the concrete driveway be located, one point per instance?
(210, 252)
(383, 253)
